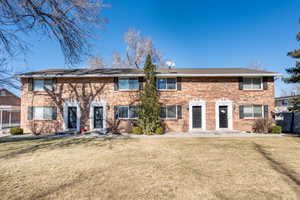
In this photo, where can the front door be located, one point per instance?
(72, 117)
(98, 117)
(197, 120)
(223, 116)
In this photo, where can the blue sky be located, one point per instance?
(193, 33)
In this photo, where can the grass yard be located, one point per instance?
(170, 168)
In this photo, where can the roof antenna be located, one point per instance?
(170, 64)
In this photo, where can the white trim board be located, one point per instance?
(224, 102)
(202, 103)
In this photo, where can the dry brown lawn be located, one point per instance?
(171, 168)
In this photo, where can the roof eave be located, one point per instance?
(158, 75)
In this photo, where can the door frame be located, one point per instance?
(98, 104)
(202, 103)
(66, 106)
(228, 103)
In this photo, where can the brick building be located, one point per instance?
(192, 99)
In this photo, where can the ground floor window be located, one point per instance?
(168, 112)
(41, 113)
(127, 112)
(253, 111)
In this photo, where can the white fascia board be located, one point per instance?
(141, 75)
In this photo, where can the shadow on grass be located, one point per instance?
(290, 176)
(79, 179)
(55, 143)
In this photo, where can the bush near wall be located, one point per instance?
(276, 129)
(16, 131)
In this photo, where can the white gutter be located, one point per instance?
(141, 75)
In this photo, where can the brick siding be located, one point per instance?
(209, 89)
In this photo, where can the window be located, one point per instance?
(128, 84)
(285, 102)
(42, 113)
(42, 84)
(168, 112)
(252, 83)
(128, 112)
(251, 112)
(2, 93)
(166, 83)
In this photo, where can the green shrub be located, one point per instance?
(276, 129)
(159, 131)
(16, 131)
(137, 130)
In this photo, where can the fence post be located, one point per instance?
(9, 123)
(1, 116)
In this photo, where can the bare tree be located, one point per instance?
(67, 21)
(96, 62)
(138, 47)
(6, 78)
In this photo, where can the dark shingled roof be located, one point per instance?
(110, 72)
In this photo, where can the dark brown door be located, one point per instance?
(223, 116)
(197, 121)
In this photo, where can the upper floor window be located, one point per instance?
(252, 83)
(285, 102)
(251, 112)
(128, 84)
(166, 84)
(42, 84)
(127, 112)
(2, 93)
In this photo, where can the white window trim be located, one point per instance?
(128, 85)
(43, 89)
(72, 104)
(40, 90)
(98, 104)
(262, 112)
(228, 103)
(128, 113)
(166, 84)
(202, 103)
(261, 83)
(167, 112)
(43, 113)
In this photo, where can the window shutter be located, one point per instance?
(30, 113)
(116, 83)
(179, 112)
(116, 109)
(266, 111)
(155, 82)
(141, 80)
(54, 84)
(241, 112)
(178, 83)
(241, 83)
(265, 83)
(30, 84)
(54, 113)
